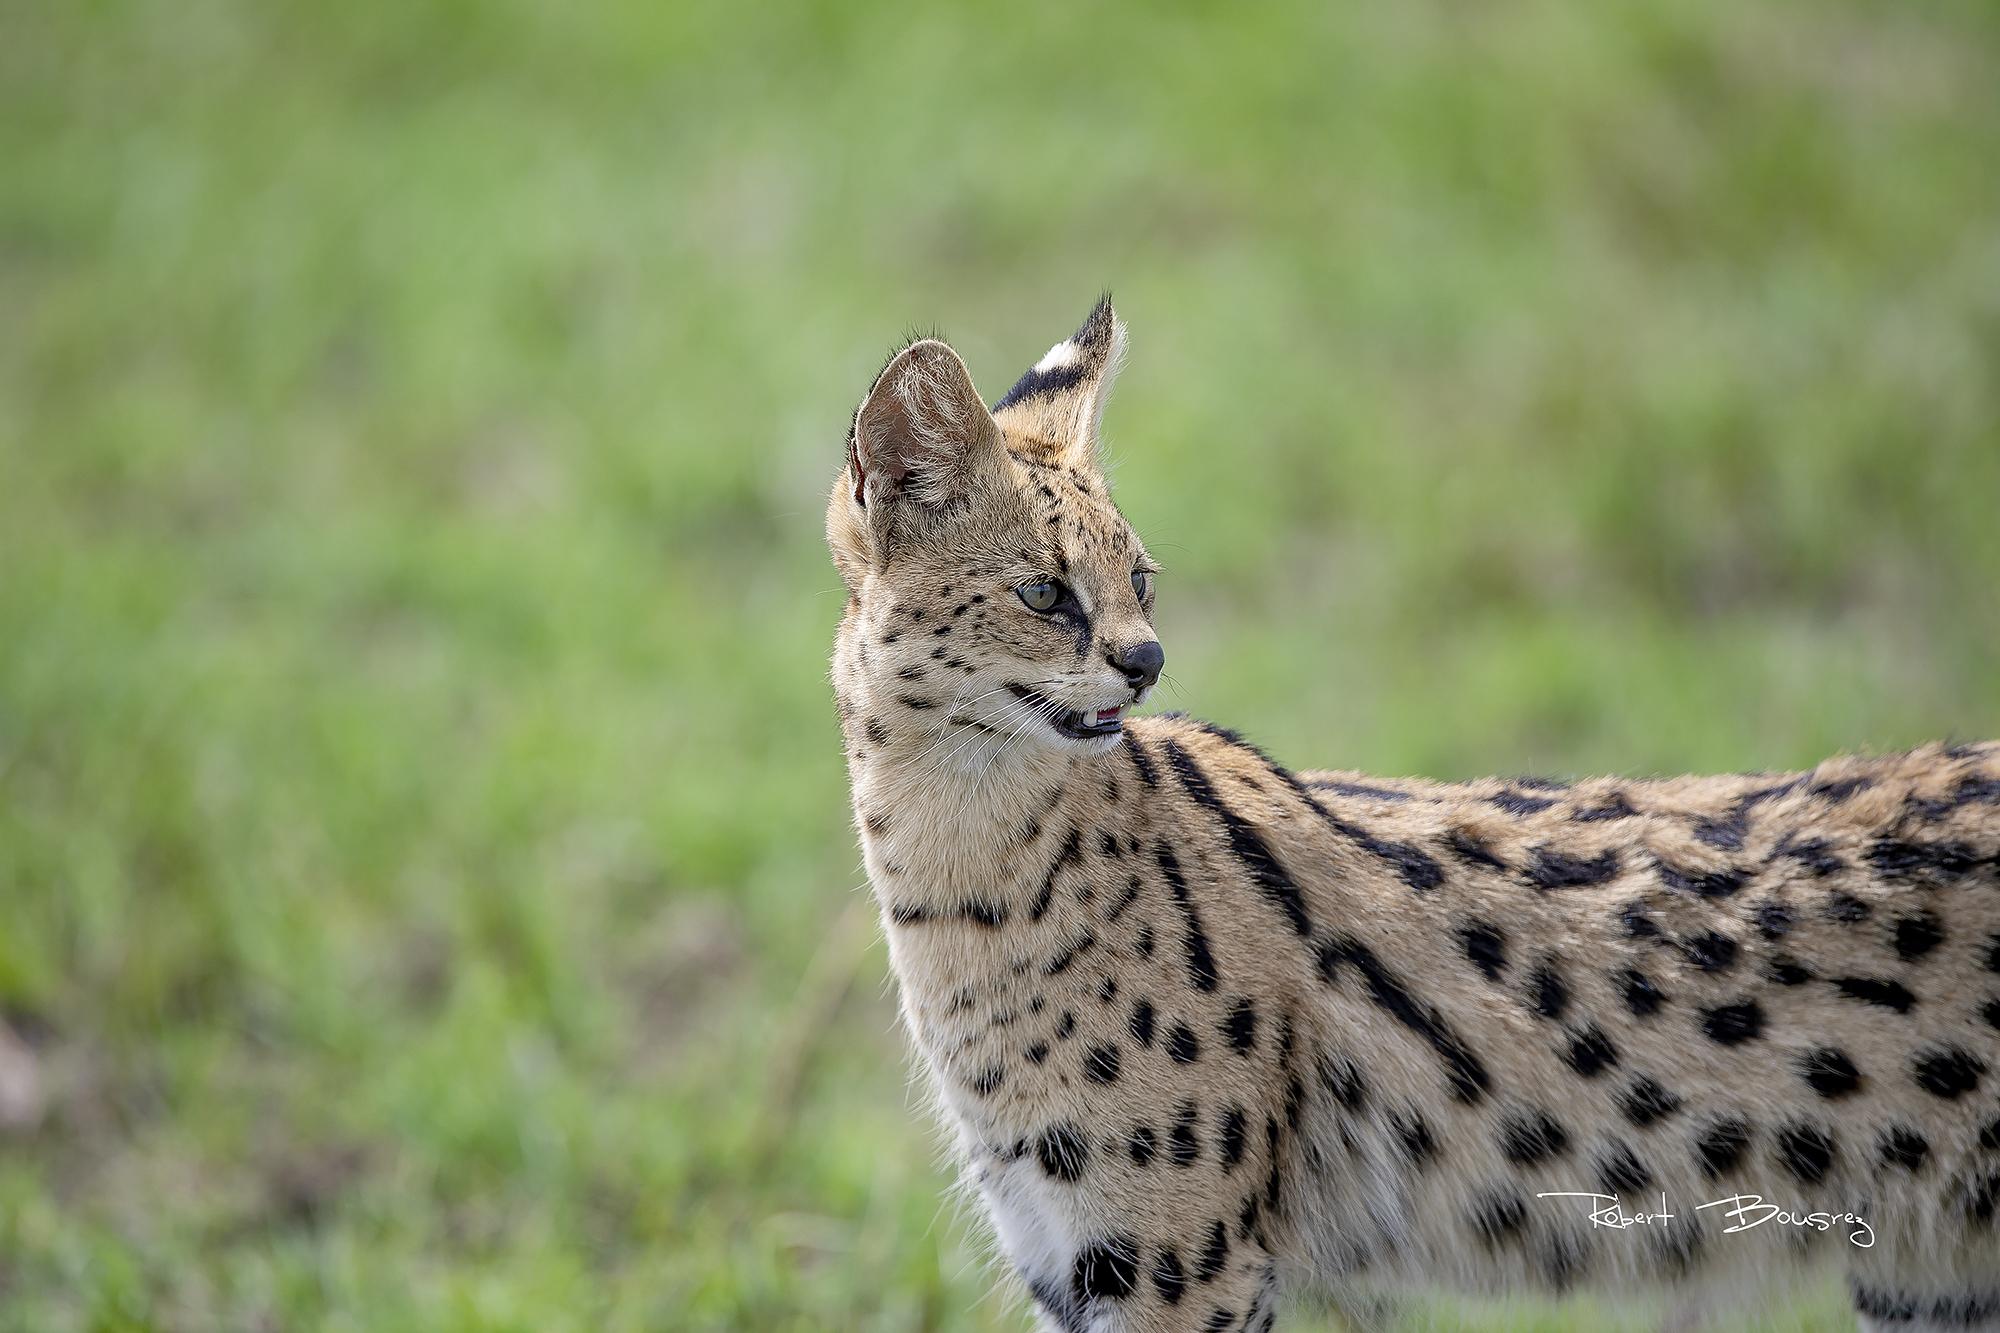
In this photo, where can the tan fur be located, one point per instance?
(1167, 989)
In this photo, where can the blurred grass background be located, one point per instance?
(426, 893)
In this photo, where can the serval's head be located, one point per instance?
(996, 594)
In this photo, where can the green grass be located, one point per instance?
(425, 880)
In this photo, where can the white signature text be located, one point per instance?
(1745, 1212)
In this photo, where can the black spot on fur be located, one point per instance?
(1240, 1027)
(1836, 790)
(1141, 1144)
(1486, 947)
(1551, 869)
(1787, 970)
(1063, 1152)
(1343, 1079)
(1465, 1072)
(1619, 1170)
(1807, 1151)
(1532, 1138)
(1068, 855)
(1246, 1217)
(1647, 1103)
(1721, 1147)
(1230, 1140)
(1726, 834)
(1590, 1052)
(1941, 1312)
(1142, 762)
(1642, 997)
(1918, 935)
(1815, 854)
(1106, 1270)
(1100, 1064)
(1183, 1149)
(1472, 851)
(1829, 1072)
(1710, 951)
(1561, 1260)
(1065, 1026)
(989, 1080)
(1125, 899)
(1168, 1280)
(1676, 1246)
(1519, 803)
(1416, 867)
(1982, 1200)
(1551, 996)
(1182, 1046)
(1200, 961)
(1972, 787)
(1733, 1024)
(1877, 990)
(1059, 1305)
(1214, 1254)
(1895, 859)
(1637, 924)
(1413, 865)
(1847, 909)
(876, 732)
(1614, 807)
(1272, 1179)
(1773, 918)
(1068, 954)
(1418, 1145)
(1245, 843)
(1037, 1053)
(990, 915)
(1905, 1148)
(1498, 1218)
(1949, 1072)
(1705, 884)
(1141, 1023)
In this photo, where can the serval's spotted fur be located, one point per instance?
(1208, 1030)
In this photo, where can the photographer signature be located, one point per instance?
(1745, 1212)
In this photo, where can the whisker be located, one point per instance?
(1005, 715)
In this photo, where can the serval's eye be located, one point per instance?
(1041, 595)
(1142, 584)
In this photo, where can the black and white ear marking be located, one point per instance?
(914, 432)
(1061, 398)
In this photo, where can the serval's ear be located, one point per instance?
(1059, 403)
(918, 440)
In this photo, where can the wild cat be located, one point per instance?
(1207, 1030)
